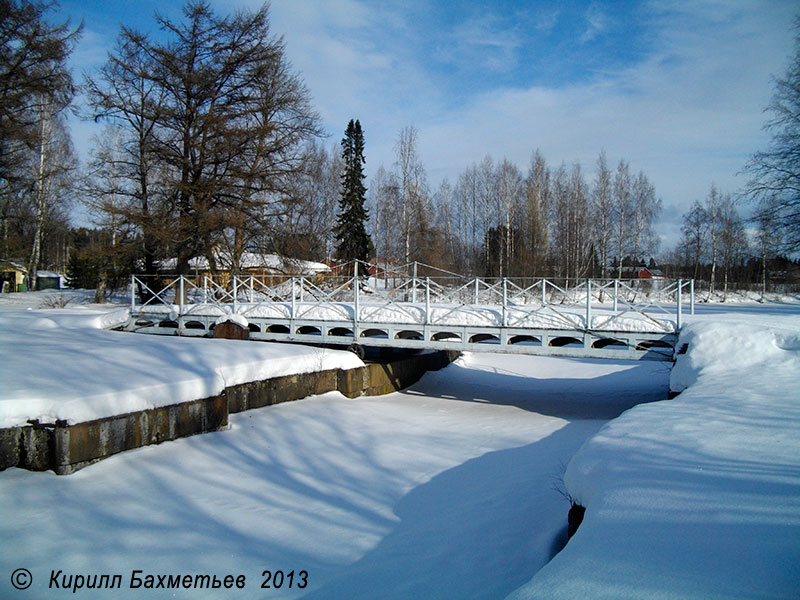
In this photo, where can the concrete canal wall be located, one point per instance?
(65, 448)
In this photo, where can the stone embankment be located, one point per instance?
(65, 448)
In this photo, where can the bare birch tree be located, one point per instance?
(570, 236)
(768, 239)
(646, 207)
(384, 203)
(694, 234)
(487, 204)
(602, 211)
(55, 167)
(713, 206)
(407, 165)
(537, 187)
(775, 171)
(622, 212)
(510, 190)
(468, 199)
(733, 240)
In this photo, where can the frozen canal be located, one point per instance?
(451, 489)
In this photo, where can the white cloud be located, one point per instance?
(544, 18)
(92, 51)
(482, 42)
(596, 23)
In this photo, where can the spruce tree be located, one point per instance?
(353, 243)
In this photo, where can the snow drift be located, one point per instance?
(698, 497)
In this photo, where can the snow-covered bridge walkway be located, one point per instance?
(620, 319)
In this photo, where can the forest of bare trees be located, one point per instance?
(499, 221)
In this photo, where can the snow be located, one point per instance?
(454, 488)
(240, 320)
(696, 497)
(446, 490)
(253, 260)
(65, 364)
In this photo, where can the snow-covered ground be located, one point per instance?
(63, 363)
(453, 488)
(697, 497)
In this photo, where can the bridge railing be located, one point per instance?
(588, 304)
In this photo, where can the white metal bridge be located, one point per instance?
(623, 319)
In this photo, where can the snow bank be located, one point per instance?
(67, 318)
(240, 320)
(64, 364)
(722, 352)
(697, 497)
(445, 490)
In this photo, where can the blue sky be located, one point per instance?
(675, 88)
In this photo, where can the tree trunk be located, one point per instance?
(41, 199)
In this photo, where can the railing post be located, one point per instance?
(294, 306)
(235, 294)
(505, 301)
(588, 304)
(133, 293)
(544, 293)
(678, 311)
(252, 291)
(476, 291)
(355, 301)
(414, 285)
(427, 301)
(691, 297)
(180, 304)
(616, 294)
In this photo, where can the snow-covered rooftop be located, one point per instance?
(254, 260)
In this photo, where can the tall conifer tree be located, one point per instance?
(353, 243)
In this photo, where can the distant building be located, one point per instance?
(648, 273)
(379, 266)
(251, 263)
(13, 276)
(49, 280)
(641, 273)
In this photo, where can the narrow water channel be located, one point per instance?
(484, 527)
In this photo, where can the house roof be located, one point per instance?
(253, 260)
(13, 264)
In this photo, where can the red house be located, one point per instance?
(645, 273)
(379, 265)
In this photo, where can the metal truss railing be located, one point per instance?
(441, 299)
